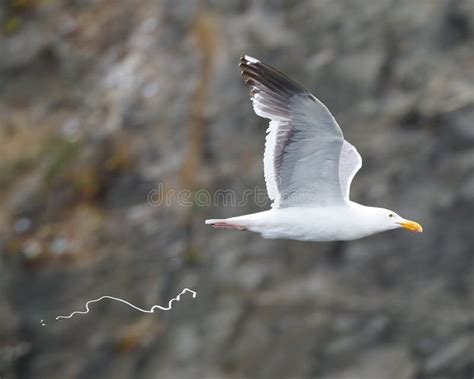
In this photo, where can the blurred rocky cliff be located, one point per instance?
(103, 103)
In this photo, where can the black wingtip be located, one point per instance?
(262, 74)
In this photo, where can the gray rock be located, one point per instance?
(102, 103)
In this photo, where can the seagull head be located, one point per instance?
(388, 219)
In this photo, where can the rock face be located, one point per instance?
(117, 117)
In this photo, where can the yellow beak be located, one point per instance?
(412, 226)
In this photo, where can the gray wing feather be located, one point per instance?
(304, 142)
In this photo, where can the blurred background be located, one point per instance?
(104, 102)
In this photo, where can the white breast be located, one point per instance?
(306, 224)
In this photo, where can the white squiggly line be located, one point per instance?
(151, 310)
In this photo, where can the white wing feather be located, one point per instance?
(350, 162)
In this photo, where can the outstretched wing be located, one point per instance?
(304, 143)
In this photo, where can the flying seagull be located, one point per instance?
(308, 166)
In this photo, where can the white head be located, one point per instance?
(384, 219)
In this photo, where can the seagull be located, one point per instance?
(308, 168)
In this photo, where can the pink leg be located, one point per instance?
(225, 225)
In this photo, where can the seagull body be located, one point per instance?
(334, 223)
(308, 167)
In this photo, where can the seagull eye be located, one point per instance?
(390, 215)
